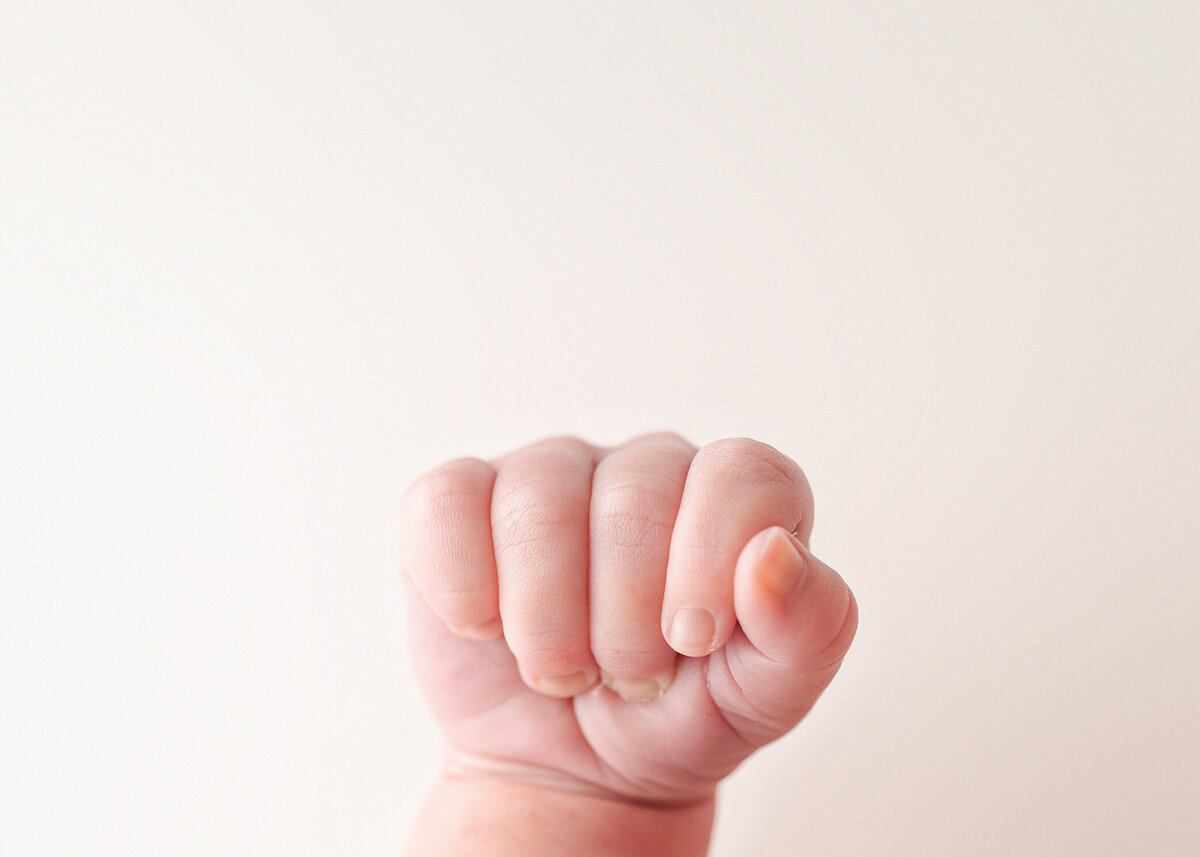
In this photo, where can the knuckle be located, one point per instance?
(541, 490)
(629, 517)
(526, 512)
(444, 493)
(623, 660)
(458, 595)
(550, 651)
(756, 461)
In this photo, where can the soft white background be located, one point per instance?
(263, 263)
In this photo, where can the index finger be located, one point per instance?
(735, 489)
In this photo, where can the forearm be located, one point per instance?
(494, 818)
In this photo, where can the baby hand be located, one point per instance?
(633, 620)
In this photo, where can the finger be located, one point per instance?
(735, 488)
(540, 536)
(796, 620)
(446, 540)
(636, 491)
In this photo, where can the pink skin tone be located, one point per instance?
(626, 624)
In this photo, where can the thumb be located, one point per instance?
(796, 619)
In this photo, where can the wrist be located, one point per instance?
(488, 817)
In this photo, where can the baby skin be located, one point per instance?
(603, 634)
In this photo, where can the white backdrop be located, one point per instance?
(263, 263)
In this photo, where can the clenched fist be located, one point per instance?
(631, 622)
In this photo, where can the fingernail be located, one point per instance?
(781, 564)
(486, 631)
(564, 686)
(639, 689)
(692, 631)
